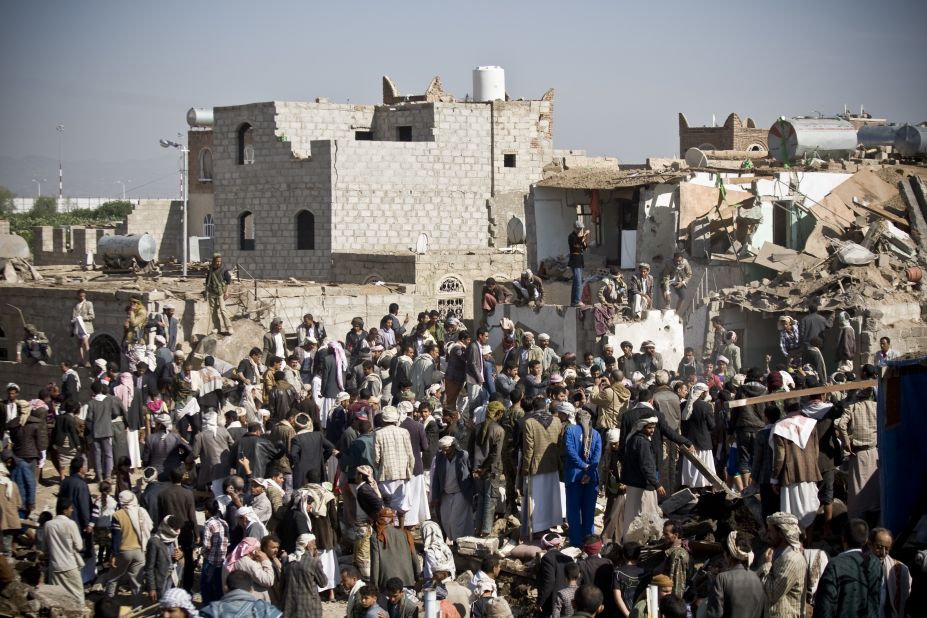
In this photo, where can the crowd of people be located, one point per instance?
(324, 466)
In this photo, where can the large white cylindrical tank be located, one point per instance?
(489, 84)
(791, 139)
(200, 117)
(911, 141)
(142, 247)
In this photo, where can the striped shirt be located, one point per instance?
(857, 428)
(784, 584)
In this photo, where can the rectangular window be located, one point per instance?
(509, 160)
(363, 136)
(404, 134)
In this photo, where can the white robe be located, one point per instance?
(539, 510)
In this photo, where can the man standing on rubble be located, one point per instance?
(578, 241)
(218, 278)
(639, 473)
(640, 290)
(784, 568)
(857, 432)
(814, 324)
(676, 276)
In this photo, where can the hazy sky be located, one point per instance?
(121, 74)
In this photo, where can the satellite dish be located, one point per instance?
(696, 158)
(421, 245)
(515, 231)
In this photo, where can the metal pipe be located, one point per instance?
(431, 603)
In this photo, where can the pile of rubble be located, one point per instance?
(858, 255)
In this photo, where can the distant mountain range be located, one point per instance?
(155, 177)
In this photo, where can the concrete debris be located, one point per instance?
(645, 528)
(475, 546)
(678, 500)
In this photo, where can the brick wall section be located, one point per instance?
(733, 135)
(32, 378)
(197, 141)
(163, 219)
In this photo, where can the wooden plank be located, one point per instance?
(818, 390)
(883, 213)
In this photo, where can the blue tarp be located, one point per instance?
(902, 417)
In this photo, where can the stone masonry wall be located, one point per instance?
(285, 178)
(733, 135)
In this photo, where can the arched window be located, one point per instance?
(305, 230)
(245, 144)
(105, 347)
(209, 226)
(246, 231)
(451, 297)
(205, 165)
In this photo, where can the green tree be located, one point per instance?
(44, 206)
(6, 200)
(113, 211)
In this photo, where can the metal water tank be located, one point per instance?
(142, 248)
(489, 83)
(911, 141)
(200, 117)
(791, 139)
(14, 246)
(872, 135)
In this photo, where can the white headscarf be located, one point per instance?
(436, 548)
(698, 391)
(640, 424)
(141, 522)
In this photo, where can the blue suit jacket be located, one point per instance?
(575, 465)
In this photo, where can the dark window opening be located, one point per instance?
(404, 134)
(305, 230)
(509, 160)
(245, 144)
(205, 165)
(363, 136)
(246, 231)
(105, 347)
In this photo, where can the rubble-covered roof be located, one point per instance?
(866, 260)
(607, 178)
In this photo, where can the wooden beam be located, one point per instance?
(716, 482)
(818, 390)
(883, 213)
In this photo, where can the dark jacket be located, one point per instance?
(630, 418)
(260, 452)
(461, 467)
(749, 417)
(846, 344)
(100, 415)
(699, 425)
(486, 449)
(66, 427)
(762, 457)
(737, 593)
(69, 390)
(21, 474)
(308, 453)
(474, 364)
(812, 325)
(600, 572)
(30, 438)
(551, 578)
(158, 564)
(639, 468)
(432, 437)
(419, 442)
(850, 586)
(76, 488)
(177, 501)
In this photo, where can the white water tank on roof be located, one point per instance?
(489, 84)
(200, 117)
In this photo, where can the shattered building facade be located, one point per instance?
(418, 190)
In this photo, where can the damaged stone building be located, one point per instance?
(417, 190)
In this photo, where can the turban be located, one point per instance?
(499, 608)
(735, 551)
(774, 380)
(593, 548)
(12, 385)
(101, 363)
(723, 359)
(303, 421)
(569, 373)
(342, 396)
(178, 598)
(543, 337)
(613, 436)
(485, 349)
(567, 408)
(304, 539)
(390, 414)
(556, 378)
(739, 379)
(405, 408)
(787, 525)
(551, 539)
(447, 441)
(494, 408)
(661, 581)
